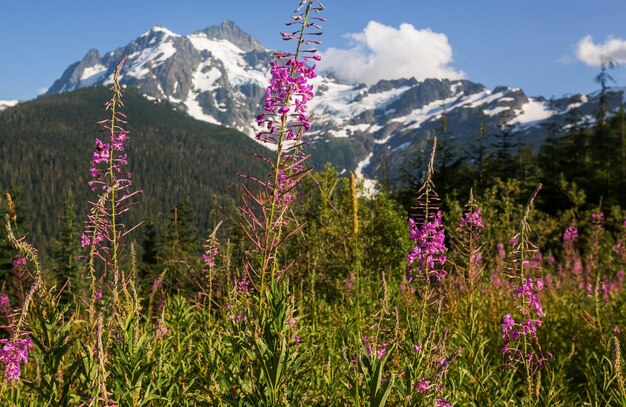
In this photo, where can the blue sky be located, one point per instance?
(530, 44)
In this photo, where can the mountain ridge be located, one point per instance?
(219, 74)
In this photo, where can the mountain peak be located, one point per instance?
(92, 57)
(231, 32)
(160, 30)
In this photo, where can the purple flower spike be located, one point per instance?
(427, 257)
(13, 354)
(570, 234)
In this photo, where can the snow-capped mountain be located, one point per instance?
(219, 75)
(216, 74)
(7, 103)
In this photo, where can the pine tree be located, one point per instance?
(501, 162)
(451, 173)
(478, 153)
(68, 269)
(180, 250)
(603, 79)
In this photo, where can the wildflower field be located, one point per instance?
(318, 292)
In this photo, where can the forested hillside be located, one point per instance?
(45, 146)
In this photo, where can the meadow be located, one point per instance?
(318, 293)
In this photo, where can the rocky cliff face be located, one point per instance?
(219, 75)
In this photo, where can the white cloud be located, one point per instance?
(384, 52)
(593, 54)
(41, 91)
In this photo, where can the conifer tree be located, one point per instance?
(179, 251)
(68, 268)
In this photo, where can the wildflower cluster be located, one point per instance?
(105, 153)
(570, 234)
(501, 250)
(284, 122)
(5, 304)
(513, 332)
(284, 186)
(521, 346)
(373, 348)
(428, 255)
(573, 261)
(19, 263)
(112, 181)
(432, 376)
(289, 90)
(13, 353)
(210, 252)
(425, 386)
(286, 98)
(468, 243)
(473, 220)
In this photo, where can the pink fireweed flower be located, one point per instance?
(423, 385)
(111, 181)
(211, 248)
(597, 218)
(161, 331)
(514, 331)
(476, 258)
(19, 263)
(570, 234)
(97, 296)
(428, 255)
(209, 255)
(501, 251)
(5, 303)
(157, 283)
(473, 219)
(285, 102)
(284, 123)
(496, 281)
(284, 186)
(242, 287)
(86, 240)
(13, 354)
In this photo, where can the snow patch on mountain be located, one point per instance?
(496, 110)
(369, 185)
(7, 103)
(431, 111)
(159, 29)
(231, 56)
(143, 62)
(344, 101)
(92, 71)
(532, 112)
(195, 110)
(206, 77)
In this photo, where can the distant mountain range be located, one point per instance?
(219, 74)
